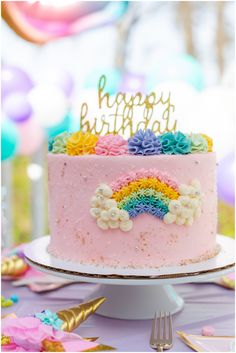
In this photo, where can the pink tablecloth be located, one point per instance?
(205, 304)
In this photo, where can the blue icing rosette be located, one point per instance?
(144, 143)
(175, 143)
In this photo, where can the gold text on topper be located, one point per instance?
(125, 113)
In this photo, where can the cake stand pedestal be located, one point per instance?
(134, 293)
(137, 302)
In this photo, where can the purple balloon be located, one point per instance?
(14, 79)
(132, 83)
(225, 179)
(16, 107)
(65, 82)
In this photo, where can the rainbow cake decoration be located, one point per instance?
(145, 191)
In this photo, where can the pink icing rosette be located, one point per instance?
(111, 145)
(143, 173)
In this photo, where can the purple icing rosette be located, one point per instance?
(144, 143)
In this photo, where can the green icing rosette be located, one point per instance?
(60, 142)
(198, 143)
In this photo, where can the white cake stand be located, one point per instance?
(134, 293)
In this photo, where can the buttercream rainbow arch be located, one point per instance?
(146, 191)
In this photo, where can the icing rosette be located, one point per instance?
(177, 143)
(81, 143)
(60, 142)
(198, 143)
(111, 145)
(209, 142)
(144, 143)
(50, 143)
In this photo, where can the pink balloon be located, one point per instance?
(31, 137)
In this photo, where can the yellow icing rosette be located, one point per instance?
(81, 143)
(209, 142)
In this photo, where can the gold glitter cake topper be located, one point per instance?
(127, 113)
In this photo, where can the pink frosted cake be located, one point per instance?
(146, 202)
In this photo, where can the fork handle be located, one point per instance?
(159, 349)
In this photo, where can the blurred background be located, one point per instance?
(53, 53)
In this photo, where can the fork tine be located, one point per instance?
(170, 327)
(159, 326)
(165, 325)
(154, 323)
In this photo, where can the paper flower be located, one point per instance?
(49, 318)
(25, 333)
(81, 143)
(111, 145)
(144, 143)
(176, 143)
(60, 142)
(29, 334)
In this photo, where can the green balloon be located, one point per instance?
(9, 140)
(113, 81)
(64, 125)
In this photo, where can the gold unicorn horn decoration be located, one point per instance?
(73, 317)
(13, 266)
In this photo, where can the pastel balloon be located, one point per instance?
(90, 97)
(113, 79)
(31, 137)
(225, 179)
(9, 140)
(14, 79)
(49, 104)
(65, 82)
(132, 83)
(59, 77)
(17, 107)
(181, 68)
(61, 127)
(43, 21)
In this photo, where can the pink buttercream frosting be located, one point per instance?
(75, 235)
(111, 145)
(143, 173)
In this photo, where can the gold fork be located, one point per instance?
(161, 336)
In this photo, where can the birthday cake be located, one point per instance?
(146, 201)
